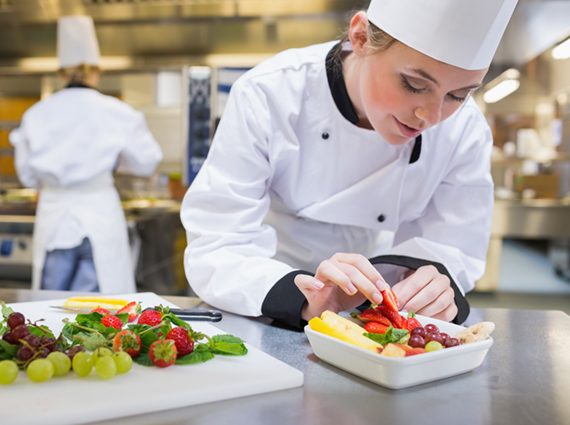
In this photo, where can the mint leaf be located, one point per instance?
(41, 330)
(143, 359)
(228, 345)
(90, 340)
(392, 335)
(6, 311)
(7, 350)
(200, 354)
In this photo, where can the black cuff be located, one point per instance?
(413, 263)
(284, 302)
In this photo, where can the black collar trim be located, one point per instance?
(342, 101)
(77, 85)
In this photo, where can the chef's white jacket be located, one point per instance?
(67, 146)
(289, 181)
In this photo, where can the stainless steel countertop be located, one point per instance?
(525, 379)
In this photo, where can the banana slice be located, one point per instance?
(89, 303)
(477, 332)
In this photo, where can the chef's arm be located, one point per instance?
(141, 152)
(22, 156)
(228, 258)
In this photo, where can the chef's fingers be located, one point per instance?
(307, 283)
(361, 282)
(439, 304)
(364, 266)
(448, 314)
(408, 288)
(428, 294)
(329, 273)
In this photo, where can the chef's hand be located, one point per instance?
(342, 282)
(427, 292)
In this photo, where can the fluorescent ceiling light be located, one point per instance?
(502, 86)
(562, 51)
(51, 64)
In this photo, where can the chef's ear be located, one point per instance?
(358, 33)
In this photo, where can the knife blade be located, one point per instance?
(185, 314)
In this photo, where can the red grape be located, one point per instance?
(16, 319)
(416, 341)
(451, 342)
(431, 328)
(419, 331)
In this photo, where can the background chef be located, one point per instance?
(68, 146)
(329, 156)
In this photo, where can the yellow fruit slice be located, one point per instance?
(332, 324)
(89, 303)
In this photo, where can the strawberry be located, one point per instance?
(100, 310)
(162, 352)
(133, 309)
(127, 341)
(150, 317)
(111, 321)
(376, 328)
(371, 315)
(390, 300)
(182, 340)
(393, 316)
(412, 322)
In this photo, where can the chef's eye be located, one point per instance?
(409, 86)
(457, 98)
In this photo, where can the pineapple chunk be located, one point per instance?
(89, 303)
(341, 328)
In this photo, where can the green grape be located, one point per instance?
(105, 367)
(60, 361)
(82, 363)
(8, 372)
(433, 346)
(103, 352)
(123, 361)
(40, 370)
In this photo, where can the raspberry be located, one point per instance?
(112, 321)
(181, 337)
(150, 317)
(162, 352)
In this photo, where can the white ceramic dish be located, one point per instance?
(402, 372)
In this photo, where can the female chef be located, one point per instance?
(330, 155)
(68, 146)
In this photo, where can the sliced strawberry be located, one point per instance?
(394, 317)
(162, 352)
(371, 315)
(376, 328)
(111, 321)
(101, 310)
(127, 341)
(390, 299)
(133, 309)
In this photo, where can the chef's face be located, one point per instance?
(402, 92)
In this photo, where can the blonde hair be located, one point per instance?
(79, 74)
(378, 39)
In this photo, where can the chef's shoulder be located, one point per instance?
(286, 74)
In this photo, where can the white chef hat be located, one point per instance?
(464, 33)
(76, 41)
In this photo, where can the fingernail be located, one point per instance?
(377, 298)
(317, 284)
(351, 289)
(382, 284)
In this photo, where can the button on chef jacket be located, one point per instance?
(289, 181)
(67, 146)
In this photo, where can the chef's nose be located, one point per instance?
(429, 113)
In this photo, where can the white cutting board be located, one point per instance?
(73, 400)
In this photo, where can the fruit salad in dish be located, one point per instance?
(385, 330)
(104, 341)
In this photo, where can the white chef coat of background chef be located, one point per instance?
(289, 181)
(68, 146)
